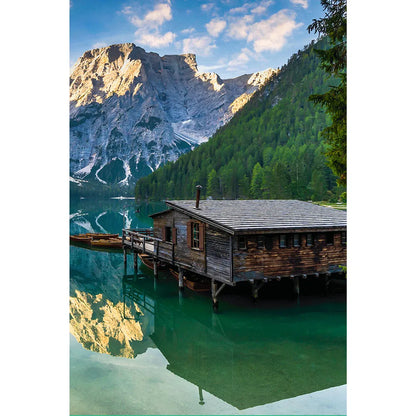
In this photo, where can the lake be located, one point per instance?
(138, 346)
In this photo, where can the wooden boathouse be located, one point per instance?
(231, 241)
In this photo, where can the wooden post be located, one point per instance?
(155, 270)
(214, 295)
(326, 283)
(296, 288)
(201, 397)
(180, 279)
(254, 291)
(125, 257)
(135, 261)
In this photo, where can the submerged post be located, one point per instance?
(296, 289)
(214, 295)
(180, 279)
(135, 261)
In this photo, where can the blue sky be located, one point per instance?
(229, 37)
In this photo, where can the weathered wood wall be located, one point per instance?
(213, 261)
(254, 262)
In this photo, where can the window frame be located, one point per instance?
(242, 238)
(168, 234)
(195, 229)
(312, 240)
(283, 237)
(261, 242)
(329, 241)
(293, 240)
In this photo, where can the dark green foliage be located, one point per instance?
(334, 62)
(271, 148)
(113, 171)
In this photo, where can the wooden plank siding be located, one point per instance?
(257, 263)
(212, 259)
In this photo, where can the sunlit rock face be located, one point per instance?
(102, 326)
(131, 111)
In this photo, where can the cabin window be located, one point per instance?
(195, 235)
(260, 241)
(329, 239)
(344, 238)
(309, 239)
(296, 240)
(168, 234)
(282, 241)
(195, 238)
(268, 242)
(242, 243)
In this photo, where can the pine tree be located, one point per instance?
(334, 62)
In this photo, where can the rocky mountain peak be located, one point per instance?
(133, 110)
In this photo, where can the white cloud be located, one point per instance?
(99, 45)
(271, 34)
(188, 31)
(148, 28)
(155, 40)
(210, 68)
(263, 6)
(202, 45)
(161, 13)
(266, 35)
(153, 19)
(256, 8)
(239, 27)
(216, 26)
(303, 3)
(241, 59)
(207, 7)
(242, 9)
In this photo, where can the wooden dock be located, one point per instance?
(223, 243)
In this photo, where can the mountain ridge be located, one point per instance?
(271, 149)
(132, 111)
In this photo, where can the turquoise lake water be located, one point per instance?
(138, 346)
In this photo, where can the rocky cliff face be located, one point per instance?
(131, 111)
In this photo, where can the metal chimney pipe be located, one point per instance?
(198, 195)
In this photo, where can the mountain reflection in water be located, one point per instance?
(247, 355)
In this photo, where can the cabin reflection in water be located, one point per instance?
(246, 363)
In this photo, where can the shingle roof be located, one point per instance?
(252, 215)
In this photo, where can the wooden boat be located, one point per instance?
(193, 282)
(102, 236)
(147, 260)
(80, 238)
(97, 240)
(107, 243)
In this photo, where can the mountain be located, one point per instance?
(132, 111)
(272, 148)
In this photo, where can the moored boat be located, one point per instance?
(107, 243)
(97, 240)
(147, 260)
(193, 282)
(102, 236)
(80, 238)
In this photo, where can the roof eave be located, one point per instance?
(199, 217)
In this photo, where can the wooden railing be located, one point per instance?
(142, 240)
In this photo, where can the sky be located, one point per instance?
(229, 37)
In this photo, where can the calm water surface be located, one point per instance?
(139, 347)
